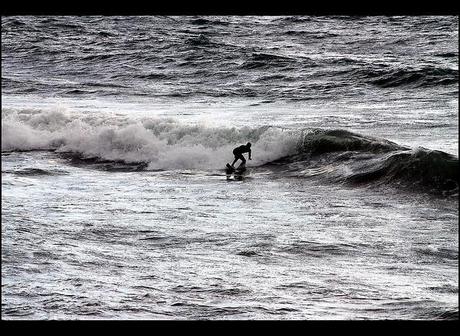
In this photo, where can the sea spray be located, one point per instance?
(161, 143)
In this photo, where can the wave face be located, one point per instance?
(267, 58)
(336, 155)
(325, 141)
(341, 156)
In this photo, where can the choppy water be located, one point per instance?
(115, 203)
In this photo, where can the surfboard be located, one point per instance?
(235, 173)
(241, 168)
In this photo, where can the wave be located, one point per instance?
(433, 169)
(439, 253)
(208, 22)
(36, 172)
(153, 75)
(319, 141)
(200, 40)
(158, 143)
(311, 34)
(220, 48)
(295, 19)
(447, 54)
(423, 77)
(451, 314)
(336, 155)
(438, 313)
(265, 60)
(347, 157)
(16, 21)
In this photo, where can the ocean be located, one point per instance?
(115, 199)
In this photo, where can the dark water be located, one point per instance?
(268, 58)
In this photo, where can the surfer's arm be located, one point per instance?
(250, 155)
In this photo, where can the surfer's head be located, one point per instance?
(248, 144)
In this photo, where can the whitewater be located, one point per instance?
(115, 199)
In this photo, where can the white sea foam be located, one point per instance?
(162, 143)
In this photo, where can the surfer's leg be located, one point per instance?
(236, 159)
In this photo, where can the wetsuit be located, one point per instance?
(238, 152)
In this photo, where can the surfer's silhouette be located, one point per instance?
(238, 152)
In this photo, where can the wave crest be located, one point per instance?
(317, 141)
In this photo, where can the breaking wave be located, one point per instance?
(165, 144)
(158, 143)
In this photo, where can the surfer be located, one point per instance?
(238, 152)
